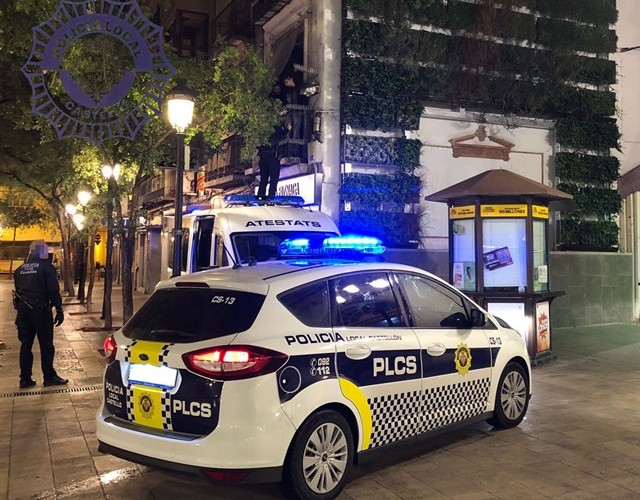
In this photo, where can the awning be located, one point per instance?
(498, 183)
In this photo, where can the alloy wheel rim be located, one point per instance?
(513, 395)
(325, 458)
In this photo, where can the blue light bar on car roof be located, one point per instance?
(250, 199)
(361, 244)
(332, 246)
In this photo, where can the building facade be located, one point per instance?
(398, 105)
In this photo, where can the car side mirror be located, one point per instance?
(478, 318)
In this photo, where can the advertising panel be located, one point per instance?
(503, 210)
(466, 212)
(543, 328)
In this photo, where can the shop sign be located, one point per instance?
(503, 210)
(466, 212)
(540, 212)
(304, 186)
(100, 108)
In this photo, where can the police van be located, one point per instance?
(247, 230)
(292, 370)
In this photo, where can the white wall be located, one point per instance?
(530, 157)
(628, 86)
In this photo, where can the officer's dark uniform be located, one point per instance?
(37, 286)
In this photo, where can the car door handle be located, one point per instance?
(358, 352)
(436, 349)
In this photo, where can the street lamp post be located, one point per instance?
(180, 111)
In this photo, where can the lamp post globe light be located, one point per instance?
(70, 208)
(180, 105)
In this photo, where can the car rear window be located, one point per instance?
(183, 315)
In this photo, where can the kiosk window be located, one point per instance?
(540, 269)
(464, 247)
(504, 254)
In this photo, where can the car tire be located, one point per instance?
(320, 458)
(512, 397)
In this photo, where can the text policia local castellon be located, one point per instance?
(101, 25)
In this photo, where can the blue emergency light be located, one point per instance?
(298, 246)
(362, 244)
(333, 246)
(250, 199)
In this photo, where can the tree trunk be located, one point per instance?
(15, 229)
(108, 268)
(128, 252)
(91, 265)
(67, 273)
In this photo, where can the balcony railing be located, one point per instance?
(158, 189)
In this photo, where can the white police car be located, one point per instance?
(288, 370)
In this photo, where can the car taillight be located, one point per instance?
(234, 362)
(110, 349)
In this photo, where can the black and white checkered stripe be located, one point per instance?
(395, 417)
(399, 416)
(166, 411)
(438, 410)
(130, 412)
(164, 353)
(127, 351)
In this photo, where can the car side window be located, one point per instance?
(309, 303)
(364, 300)
(433, 305)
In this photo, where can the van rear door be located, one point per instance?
(203, 255)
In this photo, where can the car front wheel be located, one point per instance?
(512, 398)
(320, 458)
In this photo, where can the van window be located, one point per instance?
(221, 258)
(183, 315)
(185, 248)
(202, 243)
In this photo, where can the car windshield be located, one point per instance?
(261, 246)
(183, 315)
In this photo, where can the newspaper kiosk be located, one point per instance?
(499, 250)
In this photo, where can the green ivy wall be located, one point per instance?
(390, 71)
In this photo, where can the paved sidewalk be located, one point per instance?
(580, 440)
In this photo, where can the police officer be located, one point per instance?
(37, 290)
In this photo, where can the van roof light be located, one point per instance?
(250, 199)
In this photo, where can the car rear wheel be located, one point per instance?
(512, 398)
(320, 458)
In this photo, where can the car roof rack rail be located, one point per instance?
(247, 200)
